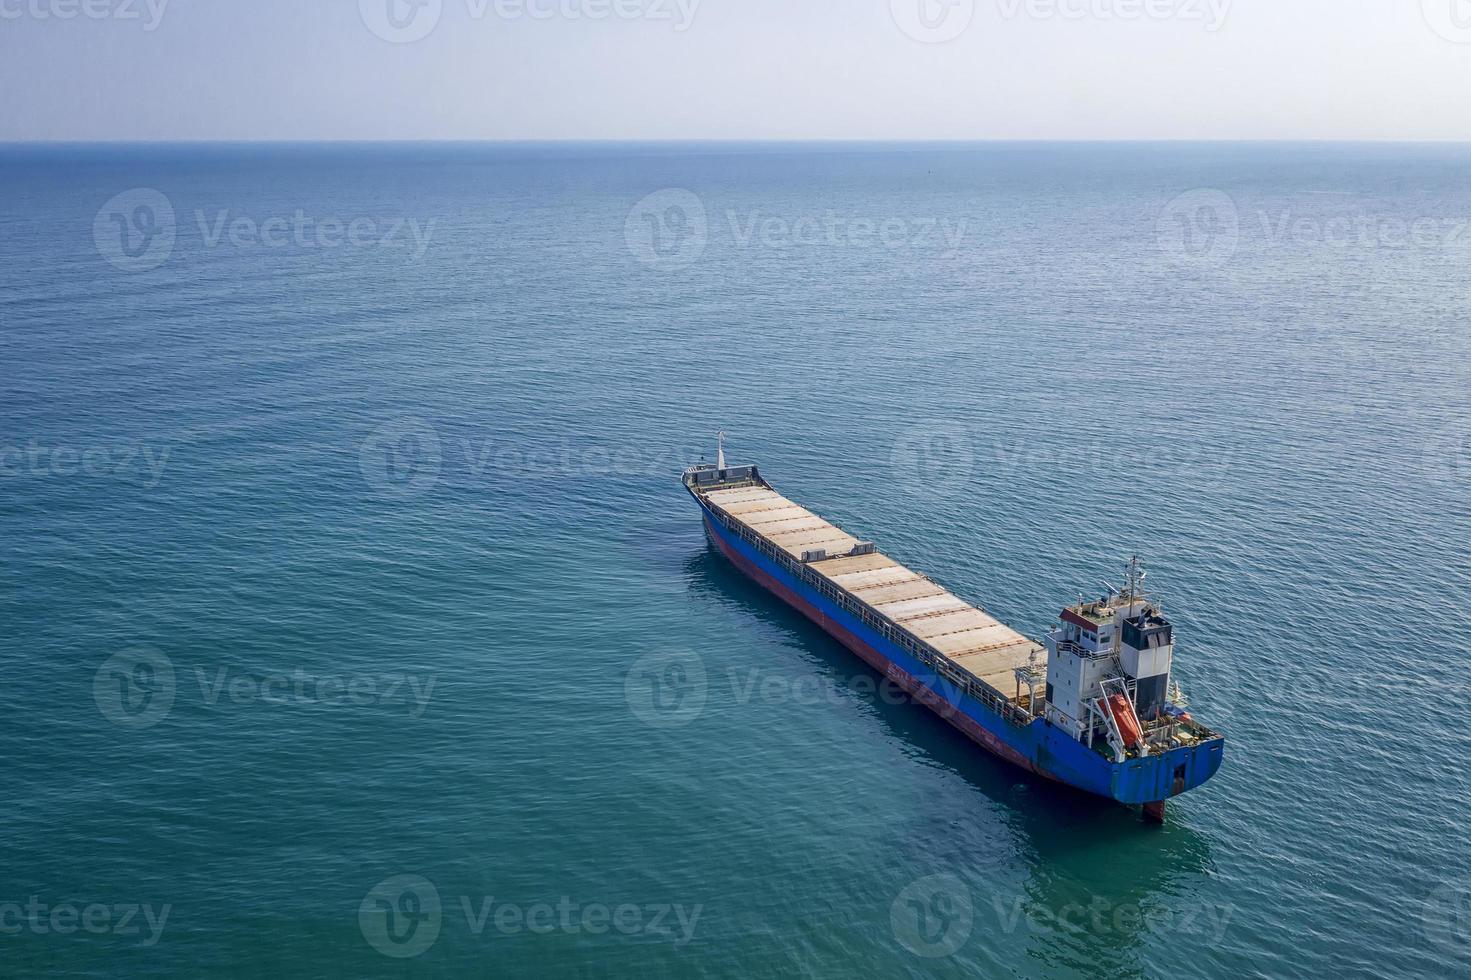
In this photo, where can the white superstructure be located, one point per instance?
(1120, 644)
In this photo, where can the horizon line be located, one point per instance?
(232, 141)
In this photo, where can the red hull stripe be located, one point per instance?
(878, 661)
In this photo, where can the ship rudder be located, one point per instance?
(1154, 812)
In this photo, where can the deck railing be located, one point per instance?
(992, 699)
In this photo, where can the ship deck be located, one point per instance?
(968, 636)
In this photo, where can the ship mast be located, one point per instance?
(720, 450)
(1136, 579)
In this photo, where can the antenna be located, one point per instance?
(1136, 578)
(720, 449)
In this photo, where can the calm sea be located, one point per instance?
(341, 526)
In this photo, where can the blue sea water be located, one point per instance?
(341, 528)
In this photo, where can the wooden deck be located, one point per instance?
(970, 637)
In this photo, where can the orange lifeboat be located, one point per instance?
(1123, 715)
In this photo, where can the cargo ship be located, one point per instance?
(1090, 704)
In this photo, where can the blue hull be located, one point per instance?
(1036, 745)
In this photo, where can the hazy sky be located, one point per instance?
(789, 69)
